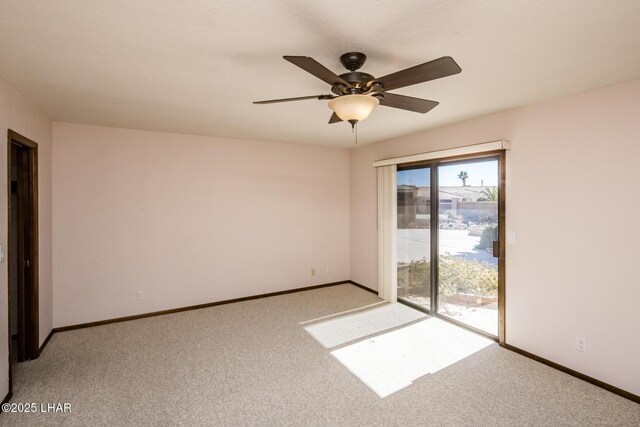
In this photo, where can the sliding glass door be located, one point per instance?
(467, 228)
(448, 240)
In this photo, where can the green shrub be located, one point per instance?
(456, 275)
(415, 277)
(489, 234)
(459, 275)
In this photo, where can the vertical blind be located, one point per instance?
(387, 222)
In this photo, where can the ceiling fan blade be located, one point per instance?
(299, 98)
(408, 103)
(334, 119)
(312, 66)
(438, 68)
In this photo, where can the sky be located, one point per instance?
(480, 173)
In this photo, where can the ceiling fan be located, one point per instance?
(356, 94)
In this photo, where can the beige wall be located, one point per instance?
(573, 270)
(190, 220)
(19, 115)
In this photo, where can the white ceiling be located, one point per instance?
(195, 66)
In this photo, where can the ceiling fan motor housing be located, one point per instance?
(356, 79)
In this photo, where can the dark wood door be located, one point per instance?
(23, 246)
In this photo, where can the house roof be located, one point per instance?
(468, 193)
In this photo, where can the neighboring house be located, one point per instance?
(463, 201)
(407, 206)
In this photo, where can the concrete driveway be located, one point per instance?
(413, 245)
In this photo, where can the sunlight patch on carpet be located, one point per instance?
(392, 361)
(343, 313)
(337, 331)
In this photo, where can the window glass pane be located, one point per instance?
(413, 234)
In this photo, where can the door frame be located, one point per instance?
(500, 155)
(29, 196)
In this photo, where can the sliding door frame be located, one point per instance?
(432, 164)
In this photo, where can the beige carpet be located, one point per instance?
(293, 360)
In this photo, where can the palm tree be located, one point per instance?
(488, 194)
(463, 175)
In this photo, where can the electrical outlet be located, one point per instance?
(581, 344)
(140, 296)
(313, 271)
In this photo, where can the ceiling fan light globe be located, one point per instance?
(353, 107)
